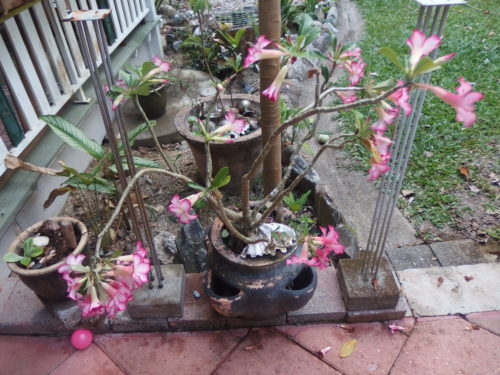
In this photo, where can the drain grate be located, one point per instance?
(236, 19)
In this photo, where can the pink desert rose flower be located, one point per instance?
(463, 101)
(141, 270)
(304, 257)
(329, 240)
(395, 328)
(401, 97)
(356, 70)
(421, 46)
(355, 52)
(382, 145)
(273, 91)
(257, 52)
(386, 114)
(181, 209)
(377, 169)
(162, 64)
(346, 99)
(231, 124)
(71, 260)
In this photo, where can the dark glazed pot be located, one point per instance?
(237, 156)
(258, 288)
(154, 104)
(46, 282)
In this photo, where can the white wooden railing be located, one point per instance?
(41, 60)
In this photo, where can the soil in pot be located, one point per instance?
(154, 104)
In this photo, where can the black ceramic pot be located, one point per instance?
(154, 104)
(255, 288)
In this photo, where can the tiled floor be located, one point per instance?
(438, 345)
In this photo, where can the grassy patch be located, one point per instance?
(442, 145)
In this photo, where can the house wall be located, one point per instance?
(92, 125)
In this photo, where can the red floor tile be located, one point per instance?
(267, 351)
(375, 350)
(22, 355)
(169, 353)
(489, 320)
(91, 361)
(446, 345)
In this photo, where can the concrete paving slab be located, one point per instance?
(123, 322)
(445, 290)
(169, 353)
(489, 320)
(6, 287)
(443, 346)
(375, 350)
(405, 257)
(96, 362)
(362, 316)
(247, 323)
(326, 303)
(267, 351)
(456, 253)
(33, 355)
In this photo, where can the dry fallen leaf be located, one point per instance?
(472, 327)
(474, 189)
(348, 348)
(468, 278)
(464, 171)
(440, 281)
(407, 193)
(434, 258)
(349, 329)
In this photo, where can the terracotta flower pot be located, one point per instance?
(238, 156)
(154, 104)
(255, 288)
(46, 282)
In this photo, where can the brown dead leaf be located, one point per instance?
(472, 327)
(464, 171)
(348, 348)
(468, 278)
(491, 33)
(467, 27)
(407, 193)
(486, 11)
(349, 329)
(440, 281)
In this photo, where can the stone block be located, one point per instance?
(67, 311)
(420, 256)
(363, 316)
(123, 322)
(248, 323)
(457, 253)
(326, 305)
(359, 294)
(25, 314)
(191, 247)
(198, 315)
(164, 302)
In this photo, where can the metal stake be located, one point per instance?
(437, 11)
(80, 19)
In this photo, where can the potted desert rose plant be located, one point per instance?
(259, 267)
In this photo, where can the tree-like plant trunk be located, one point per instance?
(270, 26)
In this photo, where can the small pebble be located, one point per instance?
(196, 294)
(41, 241)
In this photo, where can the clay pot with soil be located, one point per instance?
(154, 105)
(238, 155)
(65, 235)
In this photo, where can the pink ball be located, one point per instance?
(81, 339)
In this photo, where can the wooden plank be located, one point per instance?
(128, 31)
(133, 11)
(126, 11)
(19, 93)
(71, 39)
(114, 18)
(121, 15)
(93, 37)
(68, 63)
(54, 55)
(27, 66)
(41, 58)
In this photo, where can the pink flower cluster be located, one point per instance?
(353, 63)
(181, 208)
(321, 246)
(107, 287)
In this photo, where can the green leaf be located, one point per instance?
(34, 251)
(139, 129)
(139, 162)
(348, 348)
(25, 261)
(391, 55)
(80, 268)
(12, 257)
(27, 244)
(385, 85)
(195, 186)
(73, 136)
(117, 253)
(425, 65)
(221, 179)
